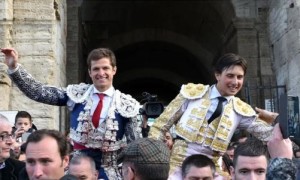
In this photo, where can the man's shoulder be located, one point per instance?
(13, 165)
(242, 107)
(193, 91)
(78, 92)
(15, 162)
(126, 105)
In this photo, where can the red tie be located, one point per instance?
(97, 112)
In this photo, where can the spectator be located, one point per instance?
(46, 154)
(100, 114)
(23, 127)
(83, 167)
(199, 167)
(230, 150)
(250, 160)
(9, 168)
(69, 177)
(23, 123)
(169, 140)
(145, 159)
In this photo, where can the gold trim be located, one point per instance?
(178, 154)
(193, 91)
(242, 108)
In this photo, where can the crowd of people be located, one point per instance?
(106, 140)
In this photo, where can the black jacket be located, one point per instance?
(11, 170)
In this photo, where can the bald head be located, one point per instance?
(3, 119)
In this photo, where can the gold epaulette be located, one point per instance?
(193, 91)
(242, 108)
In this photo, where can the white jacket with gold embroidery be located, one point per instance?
(188, 112)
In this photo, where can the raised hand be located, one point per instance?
(279, 147)
(11, 57)
(266, 116)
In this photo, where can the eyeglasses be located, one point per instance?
(6, 137)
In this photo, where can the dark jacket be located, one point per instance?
(11, 170)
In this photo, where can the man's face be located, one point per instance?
(230, 81)
(102, 74)
(7, 142)
(168, 140)
(43, 160)
(23, 123)
(230, 153)
(83, 171)
(250, 168)
(203, 173)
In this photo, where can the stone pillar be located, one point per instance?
(6, 16)
(37, 30)
(74, 47)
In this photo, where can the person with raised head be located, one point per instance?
(9, 168)
(23, 127)
(100, 114)
(206, 117)
(83, 167)
(47, 154)
(145, 159)
(198, 167)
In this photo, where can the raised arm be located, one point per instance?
(281, 165)
(170, 116)
(28, 85)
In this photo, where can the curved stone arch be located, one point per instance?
(150, 34)
(154, 73)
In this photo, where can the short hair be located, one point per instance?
(196, 160)
(228, 60)
(76, 160)
(232, 145)
(23, 114)
(252, 147)
(61, 140)
(100, 53)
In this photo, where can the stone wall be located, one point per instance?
(37, 30)
(284, 26)
(251, 24)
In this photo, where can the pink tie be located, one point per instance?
(97, 112)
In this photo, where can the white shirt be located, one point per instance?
(213, 96)
(106, 102)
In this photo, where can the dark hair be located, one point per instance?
(100, 53)
(227, 162)
(23, 114)
(232, 145)
(198, 161)
(252, 147)
(39, 135)
(228, 60)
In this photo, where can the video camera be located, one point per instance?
(152, 108)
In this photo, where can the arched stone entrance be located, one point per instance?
(159, 45)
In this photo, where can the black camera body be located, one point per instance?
(152, 108)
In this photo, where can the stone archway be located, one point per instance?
(176, 59)
(158, 47)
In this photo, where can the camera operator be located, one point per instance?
(151, 109)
